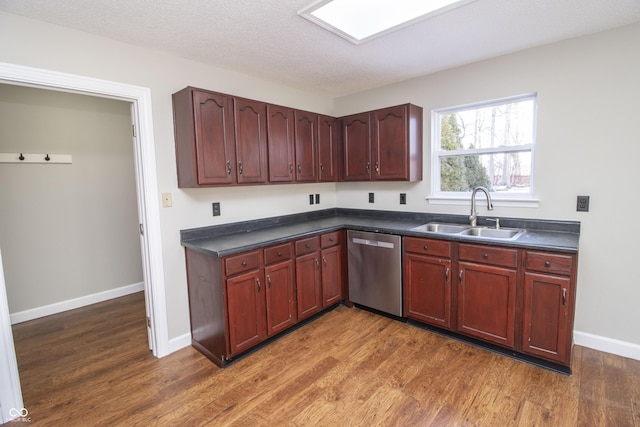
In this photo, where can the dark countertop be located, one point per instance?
(228, 239)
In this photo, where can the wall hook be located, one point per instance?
(47, 158)
(21, 157)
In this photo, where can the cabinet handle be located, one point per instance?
(291, 167)
(460, 277)
(378, 168)
(368, 167)
(321, 167)
(299, 168)
(446, 275)
(244, 263)
(331, 239)
(425, 247)
(564, 296)
(547, 264)
(269, 281)
(317, 264)
(240, 168)
(258, 281)
(485, 256)
(228, 167)
(308, 245)
(279, 253)
(324, 261)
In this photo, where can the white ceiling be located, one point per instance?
(269, 39)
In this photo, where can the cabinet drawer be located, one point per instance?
(545, 262)
(241, 263)
(433, 247)
(277, 253)
(329, 239)
(306, 246)
(502, 257)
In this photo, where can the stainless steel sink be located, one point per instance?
(492, 233)
(469, 231)
(435, 227)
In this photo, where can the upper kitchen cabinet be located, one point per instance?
(356, 140)
(280, 134)
(204, 137)
(327, 149)
(306, 141)
(219, 139)
(383, 145)
(250, 123)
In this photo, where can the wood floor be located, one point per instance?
(92, 367)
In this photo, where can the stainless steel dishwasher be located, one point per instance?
(375, 270)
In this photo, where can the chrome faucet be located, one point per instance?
(474, 214)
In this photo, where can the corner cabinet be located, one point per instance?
(383, 145)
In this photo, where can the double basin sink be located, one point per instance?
(470, 231)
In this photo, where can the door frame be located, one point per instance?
(148, 208)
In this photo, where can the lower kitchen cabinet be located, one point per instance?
(308, 285)
(331, 269)
(427, 281)
(280, 288)
(549, 288)
(247, 308)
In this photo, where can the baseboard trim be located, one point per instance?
(59, 307)
(608, 345)
(178, 343)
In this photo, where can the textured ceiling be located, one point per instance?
(269, 39)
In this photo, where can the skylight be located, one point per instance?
(362, 20)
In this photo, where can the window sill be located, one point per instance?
(497, 201)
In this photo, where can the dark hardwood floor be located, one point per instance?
(92, 367)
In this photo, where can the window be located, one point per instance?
(487, 144)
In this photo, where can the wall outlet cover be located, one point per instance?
(311, 199)
(216, 208)
(317, 199)
(371, 197)
(583, 204)
(403, 198)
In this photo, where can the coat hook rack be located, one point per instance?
(35, 158)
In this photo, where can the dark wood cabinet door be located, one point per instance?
(331, 275)
(389, 144)
(215, 141)
(251, 140)
(356, 140)
(486, 303)
(246, 306)
(281, 307)
(308, 285)
(306, 134)
(280, 136)
(427, 289)
(327, 149)
(547, 302)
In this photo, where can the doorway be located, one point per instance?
(148, 208)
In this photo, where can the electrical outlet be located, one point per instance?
(310, 199)
(216, 208)
(403, 198)
(371, 198)
(583, 204)
(317, 199)
(166, 200)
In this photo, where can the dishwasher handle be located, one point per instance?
(375, 243)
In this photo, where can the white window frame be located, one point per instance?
(436, 196)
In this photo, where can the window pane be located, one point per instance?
(504, 125)
(499, 172)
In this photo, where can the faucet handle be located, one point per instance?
(496, 220)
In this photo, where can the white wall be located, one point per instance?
(42, 45)
(587, 144)
(587, 98)
(67, 230)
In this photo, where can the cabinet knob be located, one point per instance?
(228, 167)
(425, 247)
(299, 168)
(308, 245)
(485, 256)
(244, 263)
(547, 263)
(279, 253)
(240, 168)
